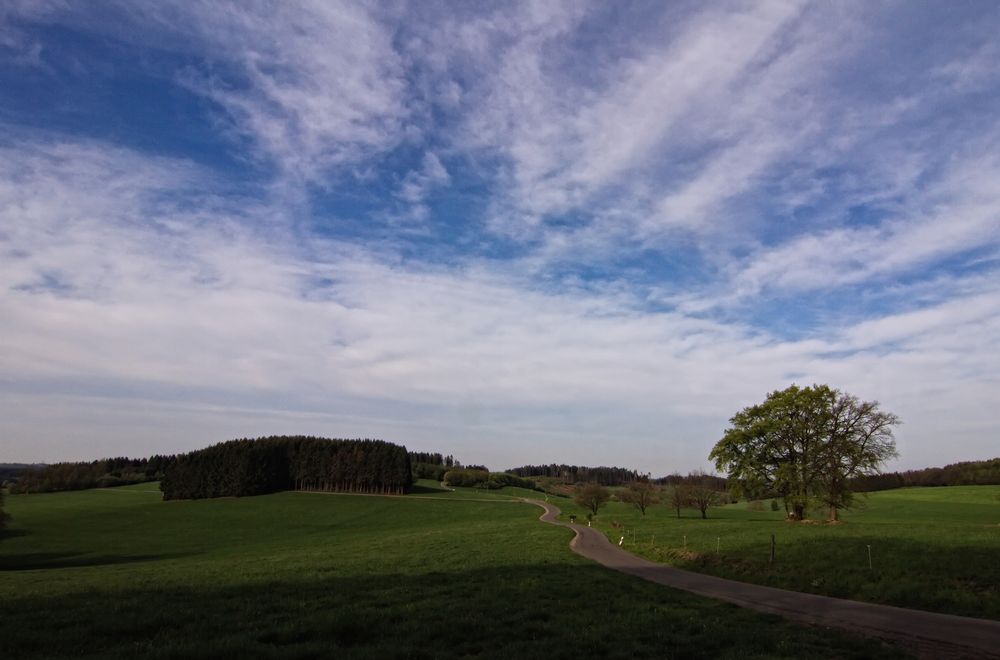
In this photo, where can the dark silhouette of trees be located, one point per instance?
(431, 465)
(592, 497)
(605, 476)
(966, 473)
(805, 444)
(246, 467)
(478, 478)
(103, 473)
(692, 478)
(641, 494)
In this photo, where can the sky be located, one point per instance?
(518, 233)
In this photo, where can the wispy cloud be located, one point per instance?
(520, 230)
(204, 309)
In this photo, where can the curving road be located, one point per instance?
(929, 634)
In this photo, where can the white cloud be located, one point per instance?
(310, 85)
(958, 213)
(417, 184)
(233, 331)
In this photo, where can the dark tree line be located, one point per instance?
(966, 473)
(246, 467)
(434, 458)
(475, 477)
(713, 481)
(103, 473)
(431, 465)
(604, 476)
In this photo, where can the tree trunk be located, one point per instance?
(834, 514)
(798, 512)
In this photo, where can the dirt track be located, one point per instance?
(928, 634)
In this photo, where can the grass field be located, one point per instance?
(931, 548)
(119, 573)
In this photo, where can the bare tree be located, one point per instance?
(641, 494)
(592, 497)
(679, 498)
(701, 496)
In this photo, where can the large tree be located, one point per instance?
(805, 444)
(859, 441)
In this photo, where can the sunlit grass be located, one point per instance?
(931, 548)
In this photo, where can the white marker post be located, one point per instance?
(620, 541)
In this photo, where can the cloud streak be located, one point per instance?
(502, 233)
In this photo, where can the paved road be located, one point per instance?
(928, 634)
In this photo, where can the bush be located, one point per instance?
(472, 478)
(466, 477)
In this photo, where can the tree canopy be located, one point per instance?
(244, 467)
(805, 444)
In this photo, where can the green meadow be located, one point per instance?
(931, 548)
(119, 573)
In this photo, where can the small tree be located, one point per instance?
(592, 497)
(641, 494)
(702, 496)
(679, 498)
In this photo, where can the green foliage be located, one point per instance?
(240, 468)
(804, 444)
(121, 574)
(466, 477)
(473, 478)
(430, 471)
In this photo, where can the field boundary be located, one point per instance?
(928, 634)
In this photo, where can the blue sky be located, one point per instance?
(518, 233)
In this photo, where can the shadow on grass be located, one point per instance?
(45, 560)
(12, 533)
(422, 490)
(921, 574)
(553, 611)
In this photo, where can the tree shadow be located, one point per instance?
(12, 533)
(423, 490)
(34, 561)
(546, 610)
